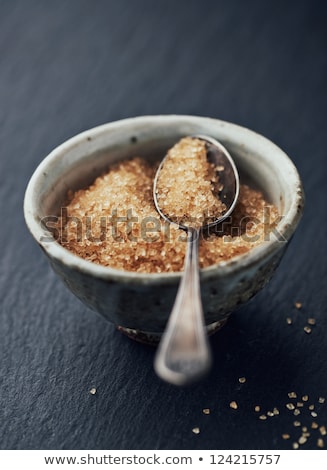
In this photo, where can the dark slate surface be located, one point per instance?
(68, 66)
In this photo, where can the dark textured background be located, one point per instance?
(67, 66)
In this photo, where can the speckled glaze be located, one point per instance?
(139, 304)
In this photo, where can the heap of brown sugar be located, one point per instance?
(114, 223)
(178, 197)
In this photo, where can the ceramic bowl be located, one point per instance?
(139, 304)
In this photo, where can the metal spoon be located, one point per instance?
(183, 354)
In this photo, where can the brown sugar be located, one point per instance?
(178, 197)
(114, 223)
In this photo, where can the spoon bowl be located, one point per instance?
(183, 354)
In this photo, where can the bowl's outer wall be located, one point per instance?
(147, 307)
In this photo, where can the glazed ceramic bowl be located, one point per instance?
(140, 304)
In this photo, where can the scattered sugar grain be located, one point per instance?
(233, 405)
(307, 329)
(298, 305)
(196, 430)
(206, 411)
(93, 391)
(311, 321)
(290, 406)
(323, 430)
(295, 445)
(242, 380)
(257, 408)
(292, 395)
(320, 443)
(302, 440)
(286, 436)
(321, 400)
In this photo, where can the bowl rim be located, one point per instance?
(59, 253)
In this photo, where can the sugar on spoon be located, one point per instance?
(183, 355)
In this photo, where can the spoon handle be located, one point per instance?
(183, 354)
